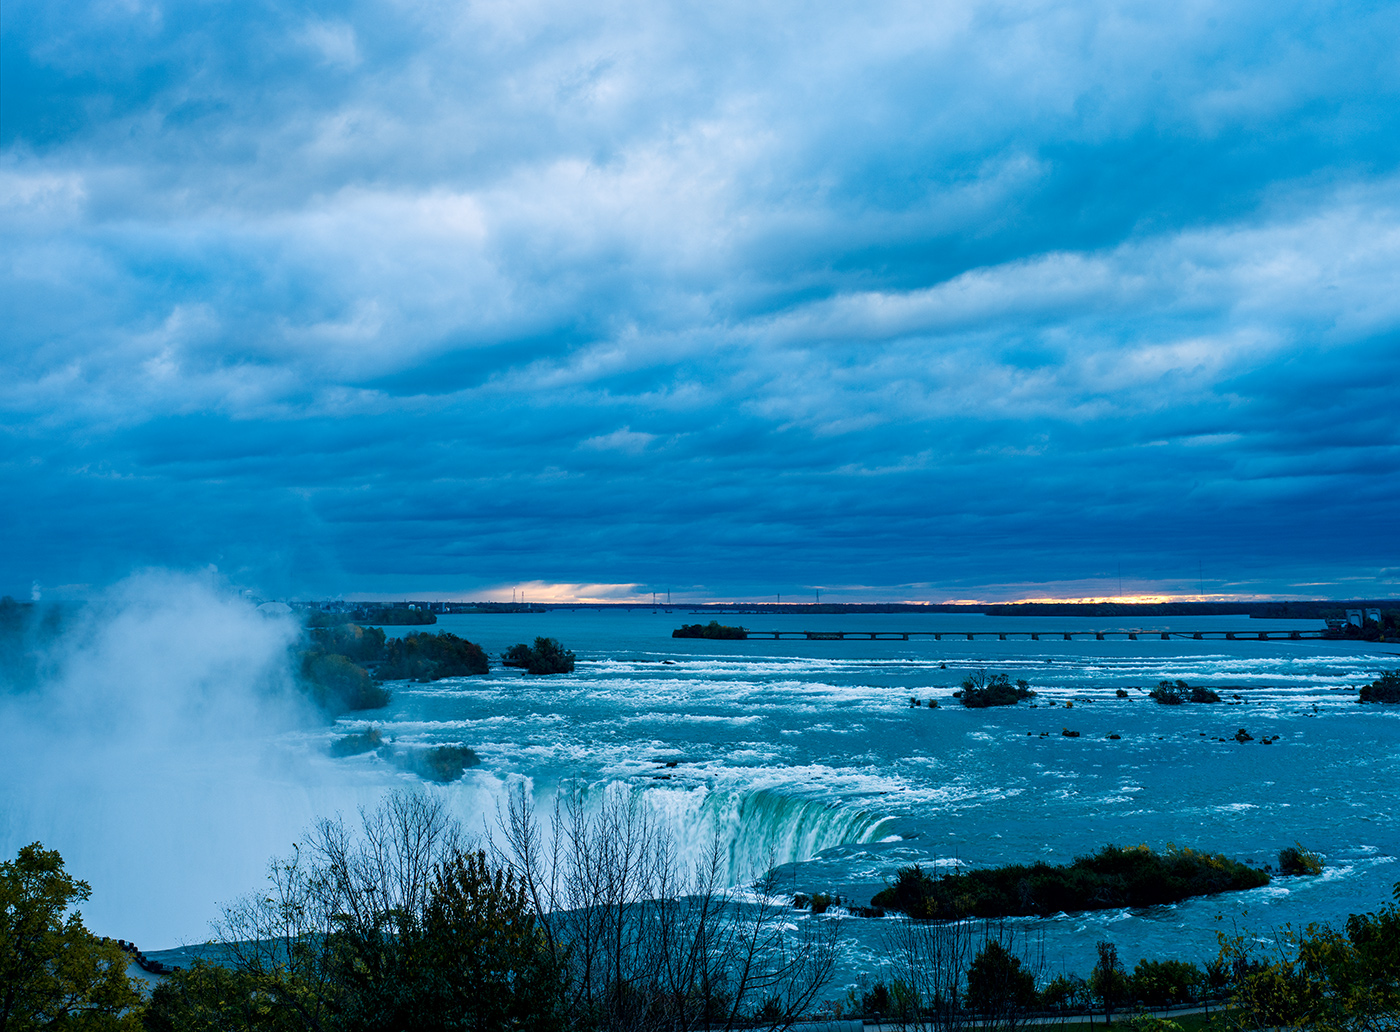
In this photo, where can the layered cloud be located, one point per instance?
(914, 299)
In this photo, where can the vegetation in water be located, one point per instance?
(1174, 693)
(1114, 877)
(546, 656)
(980, 691)
(336, 683)
(1295, 859)
(1385, 688)
(713, 629)
(430, 657)
(360, 644)
(442, 764)
(384, 616)
(354, 745)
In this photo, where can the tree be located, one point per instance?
(391, 925)
(997, 987)
(1108, 983)
(54, 973)
(649, 942)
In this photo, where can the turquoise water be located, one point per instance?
(808, 754)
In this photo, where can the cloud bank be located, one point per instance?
(910, 300)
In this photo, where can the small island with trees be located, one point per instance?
(546, 656)
(1113, 877)
(713, 629)
(980, 691)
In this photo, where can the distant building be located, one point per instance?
(1354, 616)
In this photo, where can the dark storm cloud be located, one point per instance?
(918, 299)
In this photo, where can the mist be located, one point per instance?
(159, 743)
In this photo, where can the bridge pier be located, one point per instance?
(1035, 637)
(1098, 635)
(1069, 637)
(1263, 635)
(938, 637)
(1197, 636)
(1132, 636)
(1001, 637)
(1166, 636)
(1229, 635)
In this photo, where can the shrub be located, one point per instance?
(996, 983)
(516, 656)
(549, 657)
(429, 657)
(1295, 859)
(354, 745)
(1385, 688)
(713, 629)
(1204, 695)
(1170, 693)
(1160, 983)
(1064, 992)
(980, 691)
(445, 763)
(546, 657)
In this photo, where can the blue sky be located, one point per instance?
(925, 301)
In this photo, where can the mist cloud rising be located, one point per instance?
(159, 754)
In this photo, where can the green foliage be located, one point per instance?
(1385, 688)
(1113, 877)
(546, 657)
(490, 964)
(996, 983)
(1326, 978)
(429, 657)
(336, 684)
(211, 998)
(1174, 693)
(549, 657)
(361, 644)
(384, 616)
(54, 973)
(1108, 983)
(713, 629)
(1064, 992)
(980, 691)
(1161, 983)
(1295, 859)
(1171, 693)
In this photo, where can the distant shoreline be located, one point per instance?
(1317, 609)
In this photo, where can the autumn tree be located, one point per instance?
(54, 973)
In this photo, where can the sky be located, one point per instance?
(894, 300)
